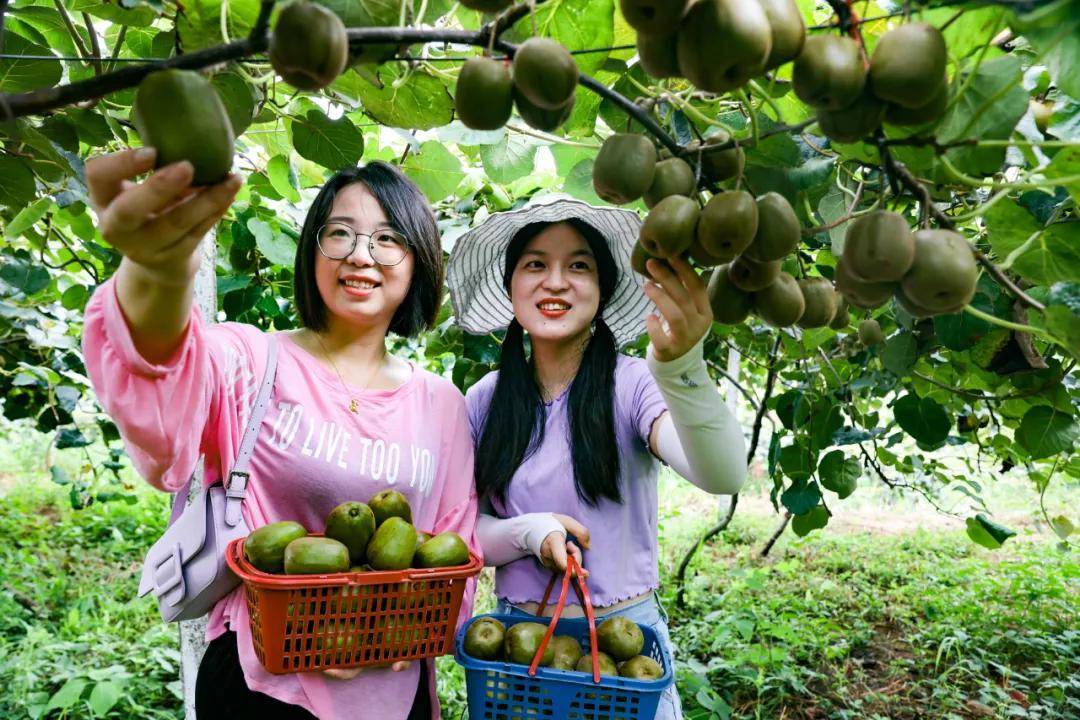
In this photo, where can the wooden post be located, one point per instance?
(192, 632)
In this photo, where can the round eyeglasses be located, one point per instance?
(337, 241)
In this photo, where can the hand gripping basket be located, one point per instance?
(506, 691)
(303, 623)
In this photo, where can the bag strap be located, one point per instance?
(573, 571)
(236, 485)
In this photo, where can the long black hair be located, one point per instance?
(514, 427)
(410, 214)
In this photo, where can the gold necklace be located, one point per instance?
(354, 402)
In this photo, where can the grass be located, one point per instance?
(893, 621)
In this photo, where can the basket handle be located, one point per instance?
(573, 571)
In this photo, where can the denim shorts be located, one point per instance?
(647, 611)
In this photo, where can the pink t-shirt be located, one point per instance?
(312, 453)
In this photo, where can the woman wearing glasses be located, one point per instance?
(346, 419)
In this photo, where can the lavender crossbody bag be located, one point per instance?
(185, 568)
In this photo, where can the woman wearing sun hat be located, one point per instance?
(570, 435)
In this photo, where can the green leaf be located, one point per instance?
(510, 159)
(278, 248)
(1063, 527)
(67, 695)
(792, 408)
(27, 217)
(199, 25)
(987, 533)
(435, 170)
(839, 473)
(104, 696)
(283, 178)
(825, 420)
(960, 331)
(17, 185)
(124, 12)
(421, 102)
(576, 24)
(1065, 326)
(59, 475)
(1067, 164)
(18, 75)
(800, 498)
(334, 144)
(900, 353)
(815, 519)
(71, 438)
(798, 461)
(239, 98)
(1046, 431)
(1061, 42)
(989, 109)
(923, 419)
(579, 183)
(25, 277)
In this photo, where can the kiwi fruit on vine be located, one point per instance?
(829, 72)
(717, 165)
(669, 227)
(653, 17)
(179, 113)
(539, 118)
(488, 6)
(728, 223)
(841, 317)
(624, 168)
(913, 308)
(309, 47)
(907, 64)
(821, 302)
(484, 98)
(723, 43)
(781, 304)
(854, 122)
(750, 275)
(859, 293)
(730, 305)
(545, 73)
(879, 247)
(778, 229)
(638, 257)
(673, 176)
(658, 55)
(870, 333)
(929, 113)
(702, 257)
(942, 278)
(788, 31)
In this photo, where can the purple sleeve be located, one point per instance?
(477, 401)
(638, 399)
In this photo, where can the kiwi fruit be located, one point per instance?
(870, 333)
(638, 257)
(750, 275)
(931, 112)
(730, 305)
(484, 98)
(821, 302)
(545, 73)
(854, 122)
(788, 30)
(624, 168)
(943, 275)
(907, 64)
(717, 165)
(539, 118)
(673, 176)
(723, 43)
(841, 317)
(702, 257)
(728, 223)
(488, 6)
(658, 55)
(669, 227)
(778, 231)
(829, 73)
(859, 293)
(309, 47)
(913, 308)
(879, 247)
(653, 17)
(781, 304)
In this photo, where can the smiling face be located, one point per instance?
(555, 286)
(357, 290)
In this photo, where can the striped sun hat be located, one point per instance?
(475, 273)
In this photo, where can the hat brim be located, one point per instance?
(475, 272)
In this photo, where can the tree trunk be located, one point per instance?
(192, 632)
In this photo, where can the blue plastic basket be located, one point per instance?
(504, 691)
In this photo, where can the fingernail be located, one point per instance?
(182, 169)
(234, 182)
(145, 154)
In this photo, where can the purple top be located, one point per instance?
(623, 560)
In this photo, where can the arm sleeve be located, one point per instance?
(168, 414)
(457, 510)
(508, 539)
(699, 437)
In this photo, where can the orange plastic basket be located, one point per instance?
(301, 623)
